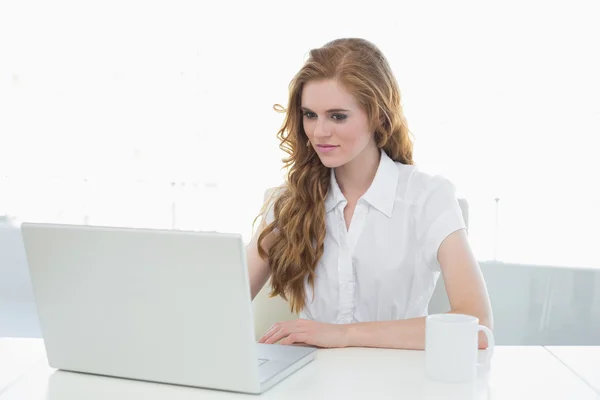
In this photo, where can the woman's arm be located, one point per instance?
(466, 291)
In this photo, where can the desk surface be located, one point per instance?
(353, 373)
(17, 356)
(582, 360)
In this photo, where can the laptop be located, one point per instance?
(156, 305)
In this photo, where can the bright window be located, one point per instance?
(126, 113)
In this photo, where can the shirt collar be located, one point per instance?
(334, 196)
(382, 192)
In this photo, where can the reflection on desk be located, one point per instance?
(582, 360)
(353, 373)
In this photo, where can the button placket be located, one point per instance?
(345, 272)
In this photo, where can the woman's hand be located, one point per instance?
(306, 331)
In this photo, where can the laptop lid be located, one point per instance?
(157, 305)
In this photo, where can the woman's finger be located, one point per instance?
(269, 333)
(277, 336)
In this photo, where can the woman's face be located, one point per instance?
(336, 125)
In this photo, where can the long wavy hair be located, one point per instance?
(299, 207)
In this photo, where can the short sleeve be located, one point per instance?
(438, 215)
(270, 197)
(270, 212)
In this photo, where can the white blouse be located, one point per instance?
(384, 267)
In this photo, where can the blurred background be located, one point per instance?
(160, 114)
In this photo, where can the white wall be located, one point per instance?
(502, 98)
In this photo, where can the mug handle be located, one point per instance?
(491, 343)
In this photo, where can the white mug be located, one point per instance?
(451, 344)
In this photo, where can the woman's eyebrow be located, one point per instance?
(329, 111)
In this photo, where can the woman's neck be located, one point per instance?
(355, 177)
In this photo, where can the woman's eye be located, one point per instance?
(309, 114)
(339, 117)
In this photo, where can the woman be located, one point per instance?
(357, 236)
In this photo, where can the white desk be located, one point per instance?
(582, 360)
(17, 356)
(355, 373)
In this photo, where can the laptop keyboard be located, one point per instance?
(261, 361)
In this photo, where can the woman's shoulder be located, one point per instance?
(416, 185)
(270, 196)
(272, 193)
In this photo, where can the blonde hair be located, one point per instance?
(299, 209)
